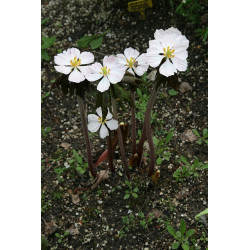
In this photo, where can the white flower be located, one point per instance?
(110, 72)
(95, 122)
(133, 61)
(71, 61)
(170, 45)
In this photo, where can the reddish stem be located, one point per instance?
(119, 133)
(110, 152)
(133, 122)
(82, 106)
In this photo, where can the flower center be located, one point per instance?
(130, 62)
(105, 71)
(75, 62)
(168, 53)
(101, 121)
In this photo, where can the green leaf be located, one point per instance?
(169, 137)
(59, 241)
(172, 92)
(136, 189)
(48, 42)
(171, 3)
(182, 227)
(171, 230)
(84, 41)
(190, 233)
(126, 196)
(205, 131)
(175, 245)
(204, 212)
(184, 246)
(66, 233)
(141, 214)
(135, 195)
(158, 161)
(178, 234)
(199, 141)
(45, 21)
(196, 132)
(96, 43)
(184, 159)
(139, 93)
(57, 235)
(45, 56)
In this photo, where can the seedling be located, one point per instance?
(131, 191)
(161, 149)
(201, 139)
(187, 170)
(45, 131)
(182, 236)
(61, 236)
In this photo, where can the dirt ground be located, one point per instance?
(98, 219)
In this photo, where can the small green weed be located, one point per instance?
(182, 236)
(131, 191)
(188, 170)
(201, 139)
(161, 149)
(61, 237)
(47, 42)
(45, 131)
(44, 96)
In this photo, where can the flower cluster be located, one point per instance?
(168, 49)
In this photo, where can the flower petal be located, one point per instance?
(96, 68)
(142, 59)
(116, 74)
(99, 111)
(130, 52)
(112, 124)
(121, 59)
(93, 118)
(110, 61)
(86, 57)
(61, 59)
(181, 43)
(154, 59)
(63, 69)
(141, 69)
(167, 68)
(103, 131)
(74, 52)
(76, 76)
(103, 84)
(157, 45)
(93, 77)
(109, 115)
(93, 126)
(179, 63)
(85, 70)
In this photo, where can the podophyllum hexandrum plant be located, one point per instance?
(167, 53)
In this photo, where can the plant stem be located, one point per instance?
(82, 107)
(110, 152)
(146, 133)
(119, 133)
(133, 122)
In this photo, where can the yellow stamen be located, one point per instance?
(105, 71)
(75, 62)
(168, 53)
(101, 121)
(130, 62)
